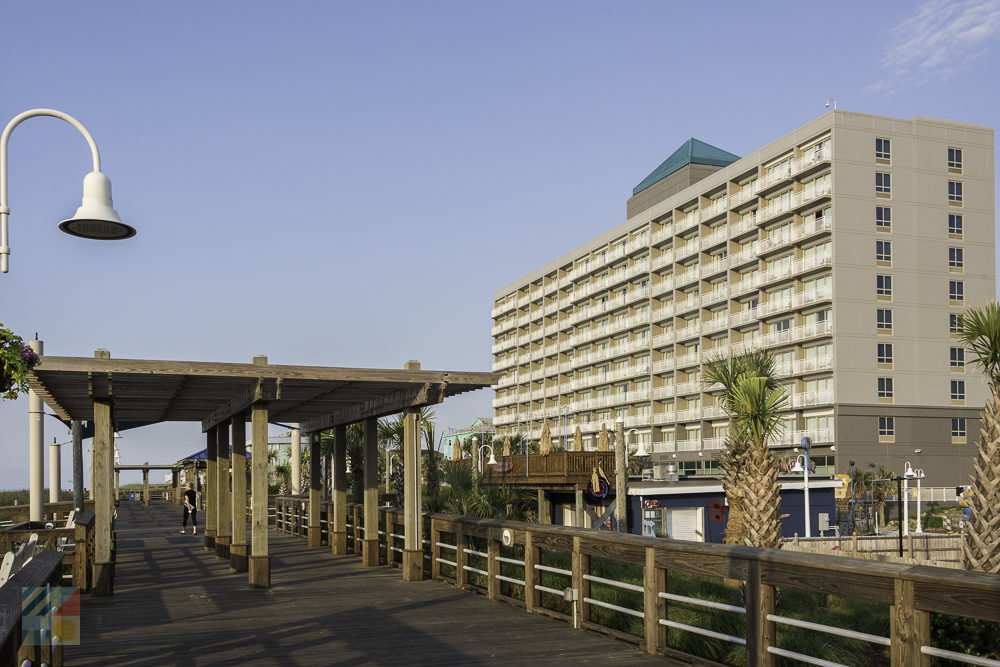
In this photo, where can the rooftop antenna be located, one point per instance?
(833, 101)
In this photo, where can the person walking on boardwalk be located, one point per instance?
(190, 509)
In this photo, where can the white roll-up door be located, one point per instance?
(686, 523)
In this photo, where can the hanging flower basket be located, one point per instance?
(16, 359)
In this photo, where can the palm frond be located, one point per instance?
(980, 333)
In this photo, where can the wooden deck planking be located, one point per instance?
(175, 603)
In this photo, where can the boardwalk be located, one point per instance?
(175, 604)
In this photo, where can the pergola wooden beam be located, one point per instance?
(390, 404)
(266, 389)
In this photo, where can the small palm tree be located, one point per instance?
(754, 401)
(980, 333)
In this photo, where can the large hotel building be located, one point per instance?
(847, 248)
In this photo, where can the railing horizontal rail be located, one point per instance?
(803, 657)
(831, 630)
(703, 603)
(703, 631)
(613, 582)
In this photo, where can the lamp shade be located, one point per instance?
(493, 459)
(96, 218)
(798, 465)
(641, 451)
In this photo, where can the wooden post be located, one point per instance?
(260, 560)
(544, 508)
(370, 546)
(621, 483)
(435, 550)
(461, 558)
(654, 607)
(338, 531)
(581, 511)
(238, 545)
(356, 533)
(223, 503)
(580, 567)
(413, 551)
(389, 530)
(211, 499)
(118, 484)
(909, 628)
(103, 457)
(175, 485)
(145, 486)
(761, 632)
(492, 567)
(315, 491)
(531, 578)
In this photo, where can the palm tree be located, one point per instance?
(753, 400)
(980, 333)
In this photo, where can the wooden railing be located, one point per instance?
(54, 512)
(742, 604)
(76, 542)
(569, 465)
(45, 568)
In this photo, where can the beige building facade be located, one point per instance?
(847, 248)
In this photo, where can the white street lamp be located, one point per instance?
(491, 462)
(802, 466)
(909, 472)
(96, 217)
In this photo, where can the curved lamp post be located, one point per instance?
(96, 217)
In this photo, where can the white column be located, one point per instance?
(296, 457)
(906, 508)
(36, 450)
(55, 472)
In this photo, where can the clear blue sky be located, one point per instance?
(346, 184)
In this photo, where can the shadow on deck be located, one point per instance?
(175, 604)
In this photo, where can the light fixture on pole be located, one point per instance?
(96, 217)
(910, 472)
(491, 462)
(802, 466)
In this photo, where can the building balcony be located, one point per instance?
(687, 388)
(716, 237)
(743, 196)
(661, 418)
(686, 360)
(666, 232)
(666, 259)
(810, 398)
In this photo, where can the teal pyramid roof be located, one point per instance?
(691, 151)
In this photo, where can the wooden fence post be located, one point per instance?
(580, 567)
(909, 628)
(435, 534)
(654, 607)
(492, 566)
(530, 574)
(461, 558)
(761, 632)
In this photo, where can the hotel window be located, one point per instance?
(884, 388)
(958, 390)
(886, 429)
(883, 285)
(822, 316)
(883, 251)
(884, 353)
(956, 290)
(883, 319)
(958, 429)
(954, 323)
(883, 183)
(956, 258)
(954, 158)
(883, 218)
(782, 325)
(955, 225)
(955, 191)
(882, 149)
(956, 357)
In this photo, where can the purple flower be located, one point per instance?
(29, 356)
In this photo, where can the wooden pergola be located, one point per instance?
(222, 397)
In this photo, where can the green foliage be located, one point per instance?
(965, 635)
(464, 493)
(980, 333)
(16, 359)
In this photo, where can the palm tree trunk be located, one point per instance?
(982, 534)
(761, 498)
